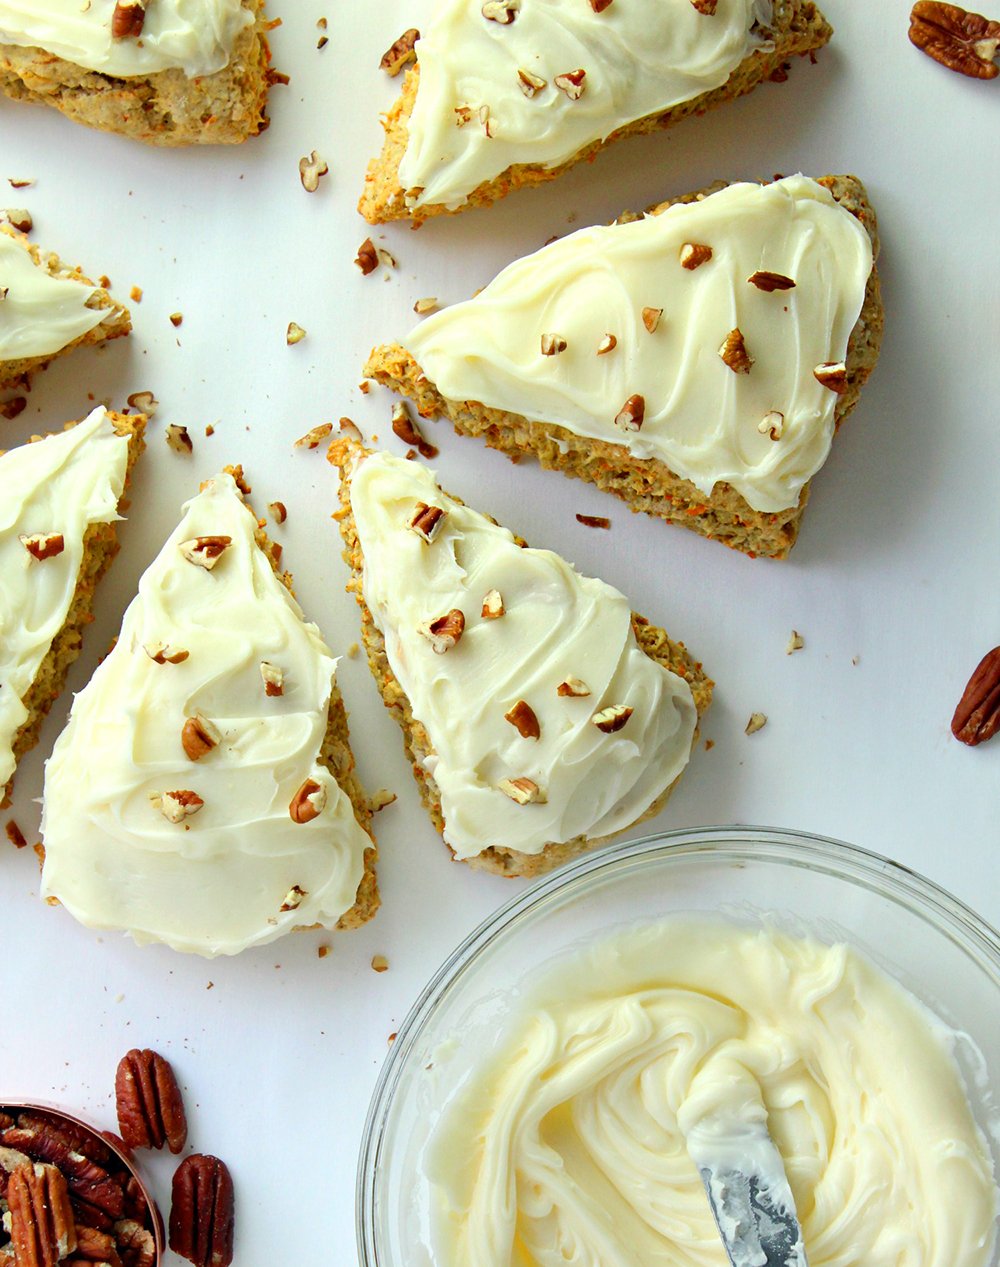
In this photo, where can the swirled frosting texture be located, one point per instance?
(40, 314)
(215, 883)
(701, 419)
(641, 57)
(556, 624)
(196, 36)
(60, 485)
(568, 1146)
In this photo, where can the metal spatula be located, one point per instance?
(752, 1202)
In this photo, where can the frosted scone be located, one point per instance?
(696, 361)
(514, 92)
(573, 1137)
(60, 498)
(47, 309)
(541, 715)
(203, 793)
(168, 72)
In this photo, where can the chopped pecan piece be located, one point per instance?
(427, 521)
(572, 83)
(42, 1226)
(202, 1212)
(149, 1103)
(294, 334)
(795, 642)
(367, 257)
(163, 653)
(176, 319)
(463, 115)
(424, 306)
(757, 722)
(312, 169)
(573, 686)
(408, 431)
(10, 409)
(445, 632)
(403, 51)
(832, 374)
(315, 436)
(380, 963)
(977, 717)
(199, 736)
(600, 5)
(178, 805)
(531, 84)
(613, 718)
(632, 413)
(606, 345)
(493, 607)
(523, 791)
(18, 218)
(273, 678)
(145, 402)
(15, 835)
(962, 41)
(734, 352)
(279, 512)
(502, 11)
(127, 19)
(694, 254)
(593, 521)
(770, 282)
(553, 344)
(179, 439)
(308, 802)
(651, 318)
(707, 7)
(524, 719)
(43, 545)
(293, 898)
(205, 552)
(772, 424)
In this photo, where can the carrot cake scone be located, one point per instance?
(168, 72)
(60, 500)
(513, 92)
(541, 716)
(47, 309)
(203, 793)
(696, 361)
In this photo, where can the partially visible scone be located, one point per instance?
(203, 793)
(541, 716)
(166, 72)
(696, 362)
(48, 309)
(513, 93)
(61, 498)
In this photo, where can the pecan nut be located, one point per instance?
(400, 53)
(202, 1211)
(962, 41)
(42, 1227)
(977, 717)
(127, 19)
(138, 1248)
(150, 1108)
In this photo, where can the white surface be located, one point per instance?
(897, 565)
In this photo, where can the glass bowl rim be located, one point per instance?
(825, 854)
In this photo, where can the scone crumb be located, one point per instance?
(709, 745)
(179, 439)
(593, 521)
(294, 334)
(795, 642)
(39, 851)
(176, 319)
(352, 651)
(380, 963)
(757, 722)
(135, 294)
(210, 430)
(15, 835)
(322, 951)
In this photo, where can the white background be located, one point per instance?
(895, 583)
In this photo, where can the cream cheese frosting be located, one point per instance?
(640, 57)
(39, 314)
(555, 625)
(569, 1143)
(196, 36)
(703, 420)
(239, 872)
(58, 486)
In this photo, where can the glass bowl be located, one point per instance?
(932, 944)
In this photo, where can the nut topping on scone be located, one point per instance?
(530, 84)
(694, 254)
(962, 41)
(606, 345)
(734, 352)
(572, 83)
(524, 719)
(400, 53)
(772, 424)
(553, 344)
(770, 282)
(199, 736)
(43, 545)
(502, 11)
(176, 806)
(632, 413)
(163, 653)
(612, 719)
(445, 632)
(600, 5)
(707, 7)
(308, 802)
(832, 374)
(493, 607)
(293, 898)
(523, 791)
(273, 678)
(127, 19)
(574, 687)
(427, 521)
(205, 552)
(651, 318)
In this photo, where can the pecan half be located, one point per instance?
(408, 431)
(613, 718)
(205, 552)
(400, 53)
(572, 83)
(770, 282)
(694, 254)
(493, 607)
(308, 802)
(42, 1227)
(427, 521)
(202, 1211)
(977, 717)
(523, 791)
(734, 352)
(524, 719)
(445, 632)
(43, 545)
(630, 416)
(962, 41)
(832, 374)
(127, 19)
(199, 736)
(149, 1103)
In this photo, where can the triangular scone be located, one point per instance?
(697, 362)
(60, 499)
(203, 793)
(540, 714)
(167, 72)
(47, 309)
(515, 92)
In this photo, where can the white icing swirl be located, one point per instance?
(556, 624)
(641, 57)
(216, 883)
(196, 36)
(568, 1145)
(701, 419)
(40, 314)
(59, 485)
